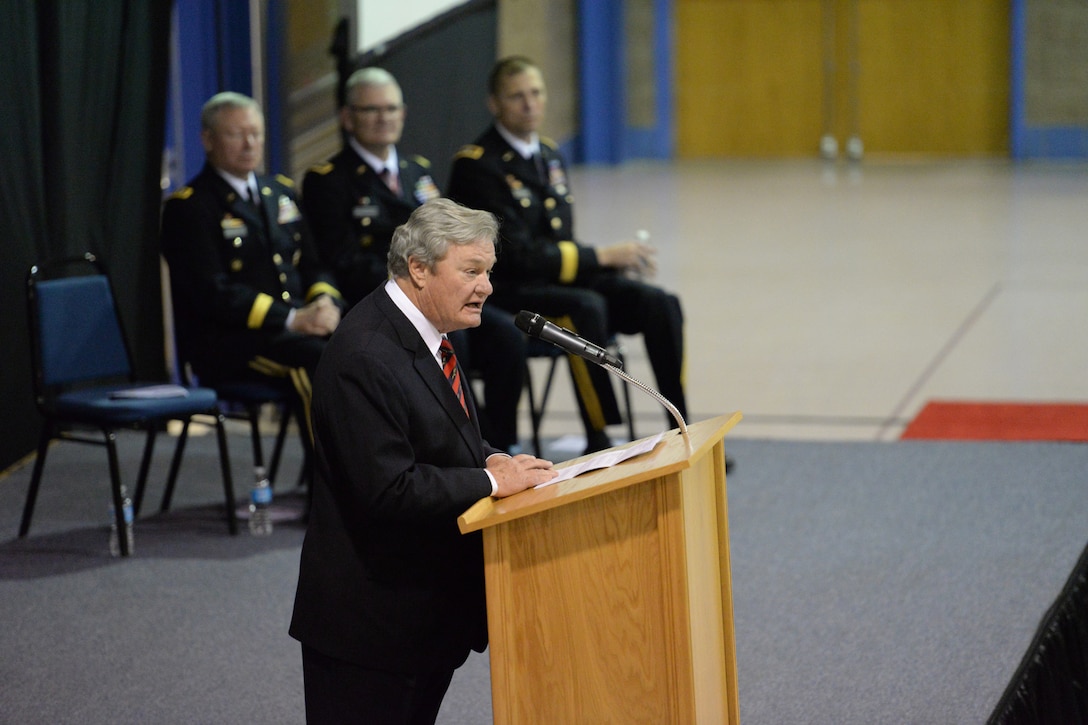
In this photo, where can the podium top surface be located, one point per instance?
(670, 455)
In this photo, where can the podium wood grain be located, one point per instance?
(609, 596)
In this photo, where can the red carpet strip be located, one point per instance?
(977, 421)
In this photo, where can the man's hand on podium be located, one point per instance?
(517, 473)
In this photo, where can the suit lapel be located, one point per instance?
(430, 374)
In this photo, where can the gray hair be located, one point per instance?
(432, 228)
(370, 76)
(226, 100)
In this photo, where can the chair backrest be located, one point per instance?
(75, 332)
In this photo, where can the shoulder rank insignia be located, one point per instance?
(549, 143)
(183, 193)
(285, 180)
(424, 162)
(470, 151)
(321, 168)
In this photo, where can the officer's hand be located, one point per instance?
(320, 317)
(633, 257)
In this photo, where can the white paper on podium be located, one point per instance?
(604, 460)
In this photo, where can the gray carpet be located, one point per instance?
(873, 583)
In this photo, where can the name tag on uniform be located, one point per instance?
(365, 211)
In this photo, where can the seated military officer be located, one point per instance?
(522, 178)
(356, 200)
(251, 298)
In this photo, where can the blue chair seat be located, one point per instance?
(99, 405)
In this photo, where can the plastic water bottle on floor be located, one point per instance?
(260, 501)
(115, 536)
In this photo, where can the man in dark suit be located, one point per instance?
(251, 299)
(521, 177)
(355, 201)
(390, 597)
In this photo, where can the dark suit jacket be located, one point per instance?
(353, 214)
(536, 214)
(386, 579)
(236, 271)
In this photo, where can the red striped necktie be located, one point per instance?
(449, 367)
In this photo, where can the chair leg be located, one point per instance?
(115, 490)
(281, 437)
(304, 474)
(228, 482)
(35, 479)
(536, 409)
(254, 413)
(548, 385)
(626, 395)
(175, 466)
(145, 466)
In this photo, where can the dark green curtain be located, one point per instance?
(83, 86)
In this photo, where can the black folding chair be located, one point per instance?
(83, 379)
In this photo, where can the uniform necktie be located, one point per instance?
(449, 367)
(390, 180)
(252, 197)
(541, 170)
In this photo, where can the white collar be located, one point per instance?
(243, 187)
(392, 163)
(525, 149)
(432, 338)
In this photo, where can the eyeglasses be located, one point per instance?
(390, 110)
(237, 136)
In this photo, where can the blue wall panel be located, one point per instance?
(604, 136)
(211, 54)
(1027, 141)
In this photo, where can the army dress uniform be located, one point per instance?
(352, 214)
(237, 269)
(541, 267)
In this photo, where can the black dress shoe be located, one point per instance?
(729, 463)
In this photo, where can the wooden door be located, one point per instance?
(771, 77)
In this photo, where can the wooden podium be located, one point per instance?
(609, 595)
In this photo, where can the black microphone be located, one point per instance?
(535, 325)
